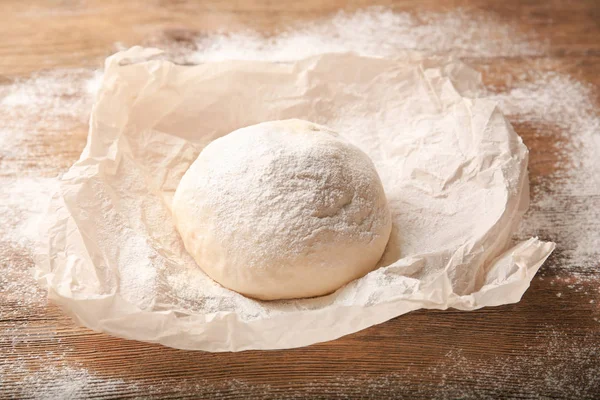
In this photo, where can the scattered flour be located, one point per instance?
(565, 368)
(21, 202)
(49, 376)
(375, 32)
(48, 102)
(565, 205)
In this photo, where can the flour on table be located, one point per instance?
(372, 32)
(565, 205)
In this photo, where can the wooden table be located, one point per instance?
(545, 346)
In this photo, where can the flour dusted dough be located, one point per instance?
(283, 209)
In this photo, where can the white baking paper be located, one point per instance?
(454, 171)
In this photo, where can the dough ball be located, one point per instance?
(281, 210)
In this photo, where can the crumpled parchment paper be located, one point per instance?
(454, 171)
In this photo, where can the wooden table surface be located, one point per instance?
(545, 346)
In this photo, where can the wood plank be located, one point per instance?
(547, 344)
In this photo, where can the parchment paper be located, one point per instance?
(454, 171)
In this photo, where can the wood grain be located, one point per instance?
(545, 346)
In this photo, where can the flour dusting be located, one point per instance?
(566, 204)
(372, 32)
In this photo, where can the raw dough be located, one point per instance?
(283, 209)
